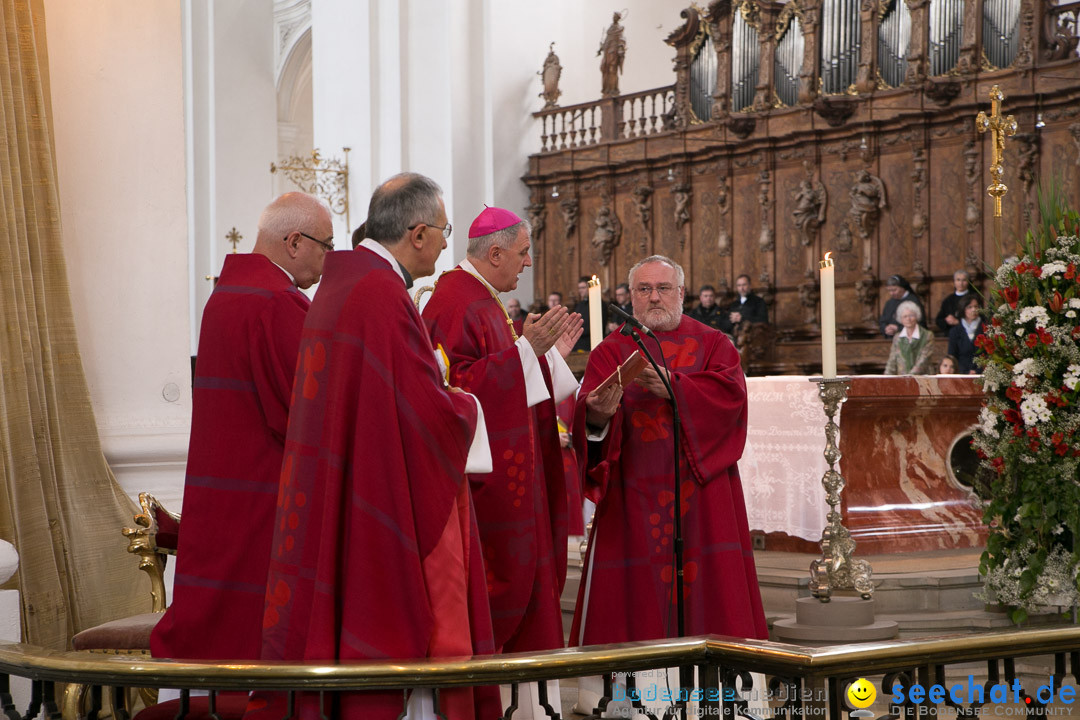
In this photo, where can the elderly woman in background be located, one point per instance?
(913, 345)
(962, 336)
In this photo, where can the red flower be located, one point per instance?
(1047, 338)
(996, 322)
(1011, 295)
(1034, 445)
(998, 463)
(1035, 269)
(1033, 432)
(1055, 303)
(1012, 416)
(1057, 438)
(1076, 332)
(1031, 340)
(1070, 272)
(1061, 450)
(1014, 393)
(980, 453)
(1018, 430)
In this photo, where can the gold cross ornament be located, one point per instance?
(1000, 126)
(234, 237)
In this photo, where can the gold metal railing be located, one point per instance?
(806, 665)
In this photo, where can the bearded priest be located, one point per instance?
(628, 592)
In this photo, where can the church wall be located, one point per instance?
(739, 176)
(117, 96)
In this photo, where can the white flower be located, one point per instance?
(1020, 332)
(1036, 313)
(1023, 366)
(1070, 313)
(1020, 381)
(988, 422)
(1033, 408)
(1074, 303)
(1072, 376)
(1053, 268)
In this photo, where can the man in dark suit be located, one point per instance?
(707, 311)
(952, 307)
(747, 306)
(622, 299)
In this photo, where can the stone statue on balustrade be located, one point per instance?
(612, 52)
(809, 213)
(867, 199)
(550, 75)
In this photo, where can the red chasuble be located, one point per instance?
(243, 379)
(521, 506)
(574, 501)
(627, 593)
(375, 553)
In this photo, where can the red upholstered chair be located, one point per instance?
(153, 539)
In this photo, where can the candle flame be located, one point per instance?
(828, 254)
(595, 281)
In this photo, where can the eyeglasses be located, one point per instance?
(446, 229)
(647, 290)
(328, 244)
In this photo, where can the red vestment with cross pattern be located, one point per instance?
(627, 593)
(521, 506)
(375, 553)
(240, 407)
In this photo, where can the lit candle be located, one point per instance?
(596, 324)
(828, 318)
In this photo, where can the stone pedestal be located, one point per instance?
(895, 438)
(840, 621)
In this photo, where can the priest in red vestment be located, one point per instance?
(243, 380)
(521, 506)
(627, 591)
(375, 553)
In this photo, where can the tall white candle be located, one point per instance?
(828, 318)
(596, 323)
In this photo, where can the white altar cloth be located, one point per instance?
(782, 465)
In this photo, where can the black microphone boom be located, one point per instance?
(630, 319)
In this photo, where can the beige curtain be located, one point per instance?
(59, 503)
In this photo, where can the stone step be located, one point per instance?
(930, 593)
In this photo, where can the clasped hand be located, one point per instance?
(558, 328)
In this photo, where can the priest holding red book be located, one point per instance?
(628, 591)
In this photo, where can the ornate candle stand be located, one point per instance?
(836, 569)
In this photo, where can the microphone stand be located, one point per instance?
(634, 334)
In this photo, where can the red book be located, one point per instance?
(625, 373)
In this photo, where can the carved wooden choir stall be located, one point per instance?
(797, 128)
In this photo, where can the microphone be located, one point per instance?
(630, 319)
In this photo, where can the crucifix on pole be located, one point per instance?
(999, 126)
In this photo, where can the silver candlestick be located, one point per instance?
(836, 569)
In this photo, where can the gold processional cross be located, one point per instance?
(1000, 126)
(234, 237)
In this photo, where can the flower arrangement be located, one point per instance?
(1028, 436)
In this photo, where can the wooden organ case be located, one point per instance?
(797, 128)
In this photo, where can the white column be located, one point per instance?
(341, 72)
(231, 131)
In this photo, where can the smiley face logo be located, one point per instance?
(861, 694)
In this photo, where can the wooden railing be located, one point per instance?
(628, 116)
